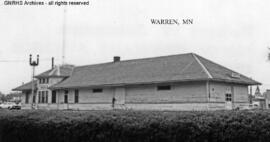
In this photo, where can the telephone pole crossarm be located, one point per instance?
(33, 64)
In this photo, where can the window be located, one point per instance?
(228, 97)
(76, 99)
(39, 96)
(44, 81)
(46, 97)
(53, 96)
(41, 81)
(97, 90)
(42, 97)
(66, 96)
(163, 87)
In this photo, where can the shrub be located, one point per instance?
(133, 126)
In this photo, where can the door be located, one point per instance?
(228, 101)
(229, 97)
(53, 97)
(229, 93)
(119, 97)
(66, 99)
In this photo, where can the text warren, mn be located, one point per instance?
(171, 21)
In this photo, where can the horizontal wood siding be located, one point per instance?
(182, 96)
(218, 91)
(87, 96)
(181, 92)
(177, 106)
(240, 93)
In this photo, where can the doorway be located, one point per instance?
(119, 98)
(228, 101)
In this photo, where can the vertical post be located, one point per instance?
(207, 94)
(266, 100)
(33, 86)
(250, 94)
(57, 97)
(64, 37)
(33, 64)
(250, 90)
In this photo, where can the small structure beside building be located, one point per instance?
(267, 98)
(259, 99)
(176, 82)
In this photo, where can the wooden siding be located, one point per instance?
(240, 93)
(87, 96)
(218, 91)
(181, 92)
(177, 106)
(182, 96)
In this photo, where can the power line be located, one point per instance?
(16, 61)
(13, 61)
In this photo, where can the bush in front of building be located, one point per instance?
(133, 126)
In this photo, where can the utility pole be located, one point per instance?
(33, 64)
(64, 37)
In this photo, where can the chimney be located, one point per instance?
(52, 62)
(116, 59)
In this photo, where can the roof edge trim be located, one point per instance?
(203, 67)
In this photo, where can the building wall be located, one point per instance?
(40, 87)
(180, 92)
(239, 92)
(23, 97)
(87, 96)
(30, 100)
(182, 96)
(45, 87)
(267, 99)
(133, 97)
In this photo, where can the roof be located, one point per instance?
(221, 73)
(58, 71)
(174, 68)
(26, 86)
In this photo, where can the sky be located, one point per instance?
(233, 33)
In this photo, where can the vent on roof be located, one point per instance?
(235, 75)
(116, 59)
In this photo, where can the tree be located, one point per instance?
(2, 97)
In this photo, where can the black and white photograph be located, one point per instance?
(134, 71)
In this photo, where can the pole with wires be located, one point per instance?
(64, 37)
(33, 64)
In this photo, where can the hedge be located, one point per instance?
(133, 126)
